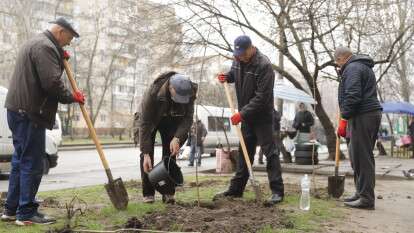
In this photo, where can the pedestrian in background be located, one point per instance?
(302, 123)
(411, 132)
(196, 138)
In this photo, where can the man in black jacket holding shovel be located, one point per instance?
(361, 117)
(35, 90)
(253, 77)
(168, 108)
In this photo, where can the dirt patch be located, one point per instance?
(205, 183)
(222, 216)
(50, 202)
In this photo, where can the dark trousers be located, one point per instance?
(287, 157)
(27, 165)
(167, 128)
(363, 131)
(259, 134)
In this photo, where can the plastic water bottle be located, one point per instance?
(305, 196)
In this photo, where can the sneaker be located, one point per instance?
(168, 199)
(191, 165)
(148, 199)
(7, 217)
(38, 218)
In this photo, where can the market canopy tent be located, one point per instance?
(398, 107)
(286, 92)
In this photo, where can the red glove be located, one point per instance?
(78, 97)
(341, 131)
(66, 55)
(236, 119)
(222, 78)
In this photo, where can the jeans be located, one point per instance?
(27, 165)
(195, 151)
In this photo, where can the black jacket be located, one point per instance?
(36, 85)
(357, 91)
(155, 105)
(254, 88)
(303, 121)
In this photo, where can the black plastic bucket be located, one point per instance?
(165, 176)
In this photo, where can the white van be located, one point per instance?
(53, 139)
(215, 119)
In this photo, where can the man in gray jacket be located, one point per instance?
(35, 90)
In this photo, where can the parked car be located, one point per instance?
(216, 120)
(53, 140)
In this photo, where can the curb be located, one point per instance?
(78, 147)
(327, 173)
(321, 173)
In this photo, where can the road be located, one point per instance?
(83, 168)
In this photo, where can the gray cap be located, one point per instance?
(183, 89)
(65, 24)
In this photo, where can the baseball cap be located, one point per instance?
(183, 88)
(65, 24)
(241, 43)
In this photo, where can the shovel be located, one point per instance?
(115, 188)
(336, 183)
(255, 185)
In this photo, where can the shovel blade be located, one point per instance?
(336, 186)
(257, 190)
(117, 194)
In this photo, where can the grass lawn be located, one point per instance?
(99, 213)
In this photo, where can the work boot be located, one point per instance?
(8, 216)
(225, 194)
(168, 199)
(38, 218)
(351, 198)
(360, 204)
(148, 199)
(274, 199)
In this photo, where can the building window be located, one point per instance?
(103, 118)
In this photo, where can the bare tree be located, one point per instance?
(309, 29)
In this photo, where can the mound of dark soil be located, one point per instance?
(222, 216)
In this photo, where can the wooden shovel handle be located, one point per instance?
(239, 132)
(92, 130)
(338, 145)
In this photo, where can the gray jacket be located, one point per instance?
(36, 86)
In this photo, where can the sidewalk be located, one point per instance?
(386, 167)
